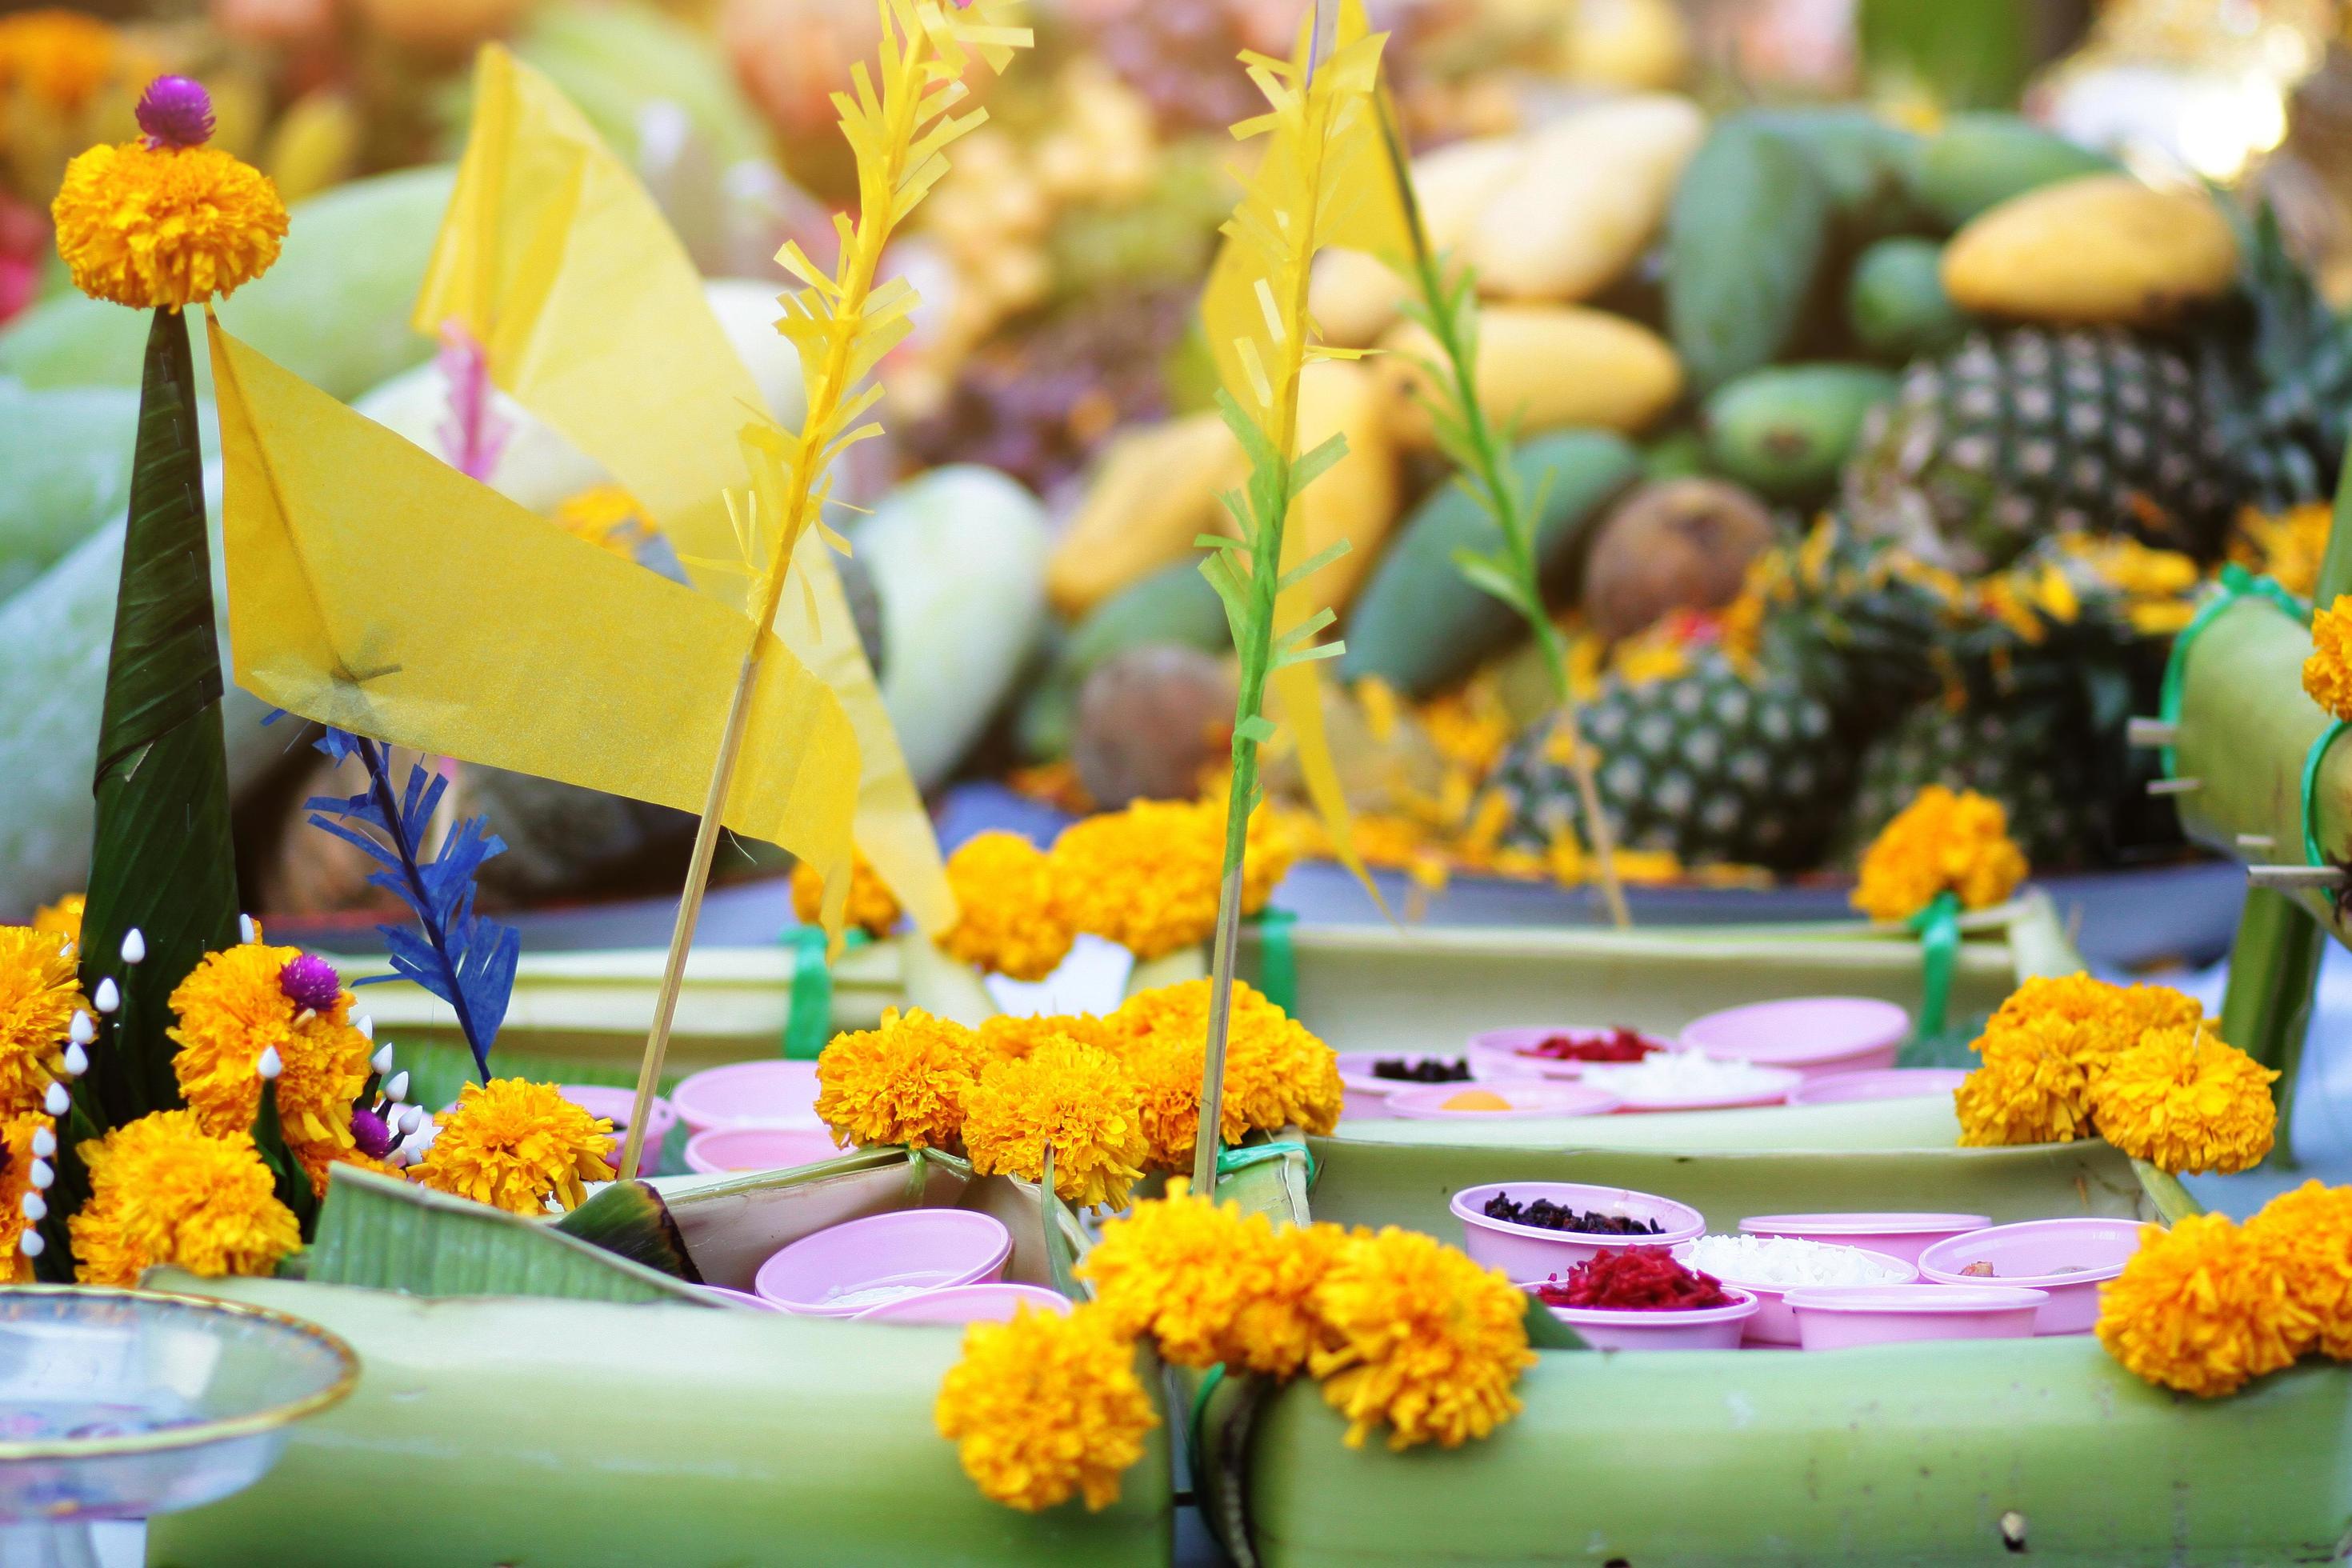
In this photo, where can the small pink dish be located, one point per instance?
(1522, 1096)
(1501, 1051)
(614, 1104)
(1816, 1034)
(769, 1093)
(1903, 1235)
(1775, 1324)
(738, 1298)
(1528, 1252)
(967, 1304)
(725, 1149)
(1703, 1328)
(1838, 1317)
(1367, 1092)
(2066, 1258)
(1887, 1083)
(840, 1271)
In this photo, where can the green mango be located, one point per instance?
(1869, 167)
(1979, 161)
(1676, 455)
(1744, 239)
(1418, 625)
(1895, 303)
(1173, 604)
(1786, 430)
(66, 453)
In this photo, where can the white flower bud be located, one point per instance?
(109, 996)
(31, 1244)
(77, 1061)
(34, 1207)
(364, 1024)
(271, 1064)
(397, 1089)
(83, 1031)
(44, 1143)
(43, 1175)
(134, 946)
(247, 931)
(381, 1063)
(57, 1101)
(412, 1117)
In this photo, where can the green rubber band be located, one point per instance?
(1248, 1155)
(2310, 760)
(1209, 1381)
(1277, 958)
(2233, 583)
(1938, 926)
(808, 1018)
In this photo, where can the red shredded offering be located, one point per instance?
(1634, 1279)
(1618, 1045)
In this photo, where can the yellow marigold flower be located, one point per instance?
(1275, 1327)
(38, 997)
(1010, 920)
(2093, 1020)
(1941, 842)
(60, 57)
(2327, 673)
(1008, 1037)
(1417, 1335)
(608, 517)
(62, 917)
(872, 908)
(16, 1157)
(1276, 1072)
(165, 227)
(233, 1007)
(2184, 1100)
(1076, 1097)
(2203, 1307)
(162, 1190)
(514, 1144)
(905, 1082)
(1147, 877)
(1044, 1407)
(2312, 1228)
(2029, 1090)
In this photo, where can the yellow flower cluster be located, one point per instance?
(165, 227)
(2312, 1228)
(16, 1134)
(514, 1144)
(2288, 546)
(2209, 1305)
(62, 917)
(1009, 916)
(230, 1009)
(1940, 843)
(162, 1190)
(1076, 1097)
(903, 1082)
(1147, 878)
(2327, 673)
(38, 997)
(608, 517)
(1045, 1407)
(1277, 1074)
(872, 908)
(2065, 1057)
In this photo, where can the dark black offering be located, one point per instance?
(1422, 1069)
(1545, 1215)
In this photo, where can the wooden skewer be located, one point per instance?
(2286, 878)
(2150, 732)
(2174, 786)
(2256, 841)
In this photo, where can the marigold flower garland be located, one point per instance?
(873, 907)
(515, 1145)
(244, 1000)
(1045, 1407)
(22, 1136)
(1147, 878)
(2328, 672)
(38, 998)
(903, 1082)
(1012, 920)
(164, 1190)
(1076, 1097)
(1941, 842)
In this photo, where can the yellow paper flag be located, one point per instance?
(375, 588)
(592, 316)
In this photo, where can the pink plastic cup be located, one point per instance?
(738, 1298)
(1703, 1328)
(724, 1149)
(769, 1093)
(1497, 1050)
(967, 1304)
(1903, 1235)
(840, 1271)
(1836, 1317)
(1525, 1252)
(2030, 1255)
(601, 1099)
(1526, 1097)
(1775, 1324)
(1816, 1034)
(1888, 1083)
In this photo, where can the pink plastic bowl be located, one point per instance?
(839, 1272)
(1890, 1083)
(1816, 1034)
(1835, 1317)
(726, 1149)
(2030, 1255)
(1903, 1235)
(1426, 1102)
(1706, 1328)
(1775, 1324)
(769, 1093)
(1498, 1051)
(1368, 1094)
(967, 1304)
(1523, 1252)
(738, 1298)
(601, 1099)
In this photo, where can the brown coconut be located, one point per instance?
(1674, 545)
(1152, 721)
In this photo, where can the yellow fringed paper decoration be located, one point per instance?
(1319, 183)
(374, 587)
(592, 316)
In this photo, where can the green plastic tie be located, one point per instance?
(1277, 967)
(1938, 927)
(1243, 1157)
(2233, 583)
(808, 1020)
(2310, 760)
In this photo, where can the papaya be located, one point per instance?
(1895, 300)
(1153, 493)
(1418, 625)
(1745, 238)
(1542, 367)
(1979, 161)
(2100, 250)
(1869, 168)
(1785, 430)
(1586, 200)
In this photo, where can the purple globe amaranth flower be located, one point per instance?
(372, 1132)
(310, 981)
(175, 112)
